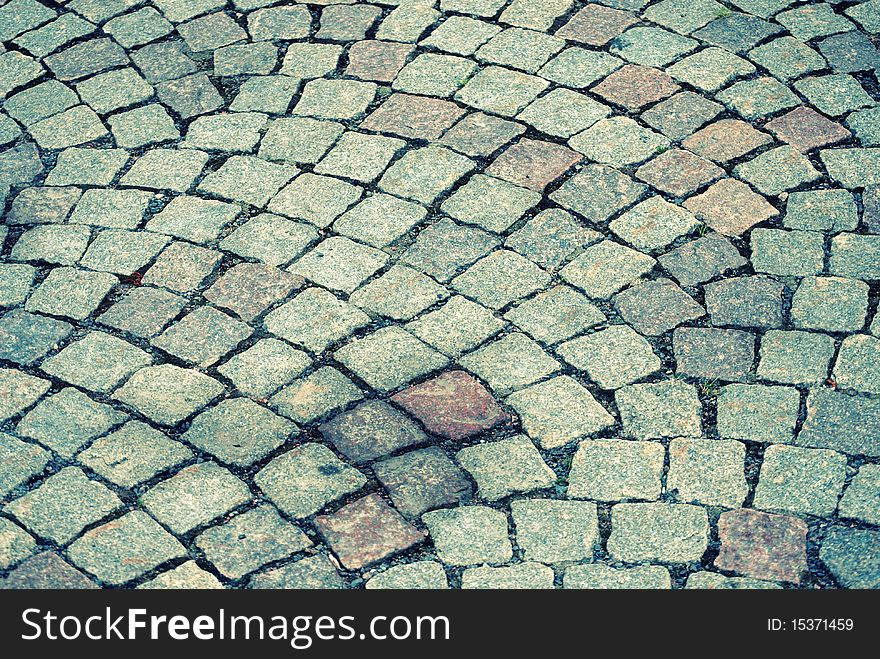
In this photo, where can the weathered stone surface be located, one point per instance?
(762, 546)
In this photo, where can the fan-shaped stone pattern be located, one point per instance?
(294, 287)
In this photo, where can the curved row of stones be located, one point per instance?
(470, 293)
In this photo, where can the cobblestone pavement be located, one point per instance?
(429, 293)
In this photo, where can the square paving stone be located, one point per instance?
(444, 249)
(758, 413)
(239, 131)
(61, 245)
(114, 90)
(340, 264)
(656, 306)
(249, 541)
(754, 99)
(800, 480)
(682, 114)
(684, 16)
(304, 480)
(97, 362)
(133, 454)
(366, 531)
(787, 58)
(379, 61)
(616, 470)
(15, 283)
(674, 533)
(40, 205)
(247, 179)
(203, 336)
(653, 224)
(556, 315)
(64, 505)
(379, 220)
(20, 391)
(596, 25)
(452, 405)
(315, 319)
(315, 199)
(481, 134)
(650, 46)
(271, 94)
(299, 140)
(831, 304)
(166, 169)
(850, 52)
(315, 572)
(806, 23)
(75, 126)
(462, 35)
(777, 171)
(517, 48)
(852, 168)
(424, 174)
(185, 576)
(316, 395)
(510, 363)
(423, 480)
(335, 99)
(122, 252)
(662, 409)
(500, 91)
(710, 69)
(851, 555)
(304, 61)
(562, 113)
(490, 203)
(605, 268)
(533, 164)
(67, 420)
(574, 527)
(279, 23)
(21, 462)
(264, 367)
(805, 129)
(401, 293)
(168, 394)
(195, 496)
(469, 535)
(407, 22)
(618, 141)
(190, 96)
(78, 166)
(416, 117)
(501, 278)
(389, 358)
(559, 411)
(507, 467)
(834, 95)
(40, 101)
(792, 253)
(150, 124)
(17, 544)
(239, 432)
(138, 28)
(857, 364)
(86, 58)
(707, 471)
(371, 430)
(702, 259)
(343, 23)
(245, 59)
(611, 357)
(730, 207)
(841, 422)
(47, 570)
(795, 357)
(762, 546)
(421, 574)
(248, 289)
(211, 32)
(725, 140)
(359, 156)
(433, 74)
(182, 267)
(713, 354)
(523, 576)
(678, 172)
(163, 61)
(121, 209)
(550, 238)
(745, 302)
(25, 337)
(271, 239)
(860, 501)
(598, 576)
(456, 327)
(125, 548)
(856, 256)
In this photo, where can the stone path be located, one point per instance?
(429, 293)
